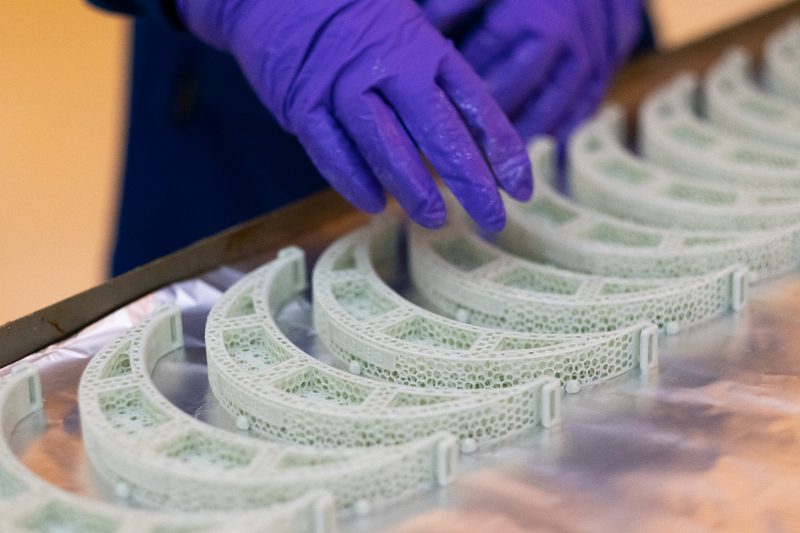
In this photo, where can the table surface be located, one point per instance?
(708, 441)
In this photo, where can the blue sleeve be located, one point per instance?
(161, 11)
(647, 41)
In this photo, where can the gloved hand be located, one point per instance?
(366, 85)
(547, 62)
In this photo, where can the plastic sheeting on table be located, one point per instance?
(709, 441)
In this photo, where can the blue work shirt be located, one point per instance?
(202, 152)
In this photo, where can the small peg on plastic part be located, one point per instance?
(122, 490)
(362, 507)
(550, 404)
(354, 367)
(739, 287)
(648, 347)
(324, 518)
(447, 460)
(462, 315)
(573, 386)
(242, 423)
(297, 258)
(672, 328)
(469, 446)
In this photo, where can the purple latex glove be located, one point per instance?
(547, 62)
(366, 85)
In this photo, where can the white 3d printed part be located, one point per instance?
(782, 62)
(457, 271)
(29, 504)
(734, 102)
(553, 228)
(365, 323)
(604, 175)
(672, 134)
(136, 437)
(256, 372)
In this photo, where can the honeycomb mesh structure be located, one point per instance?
(291, 395)
(781, 73)
(672, 134)
(165, 458)
(553, 228)
(734, 102)
(29, 504)
(365, 323)
(462, 275)
(604, 175)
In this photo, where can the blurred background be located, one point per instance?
(63, 91)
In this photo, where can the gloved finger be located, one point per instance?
(394, 158)
(512, 80)
(553, 105)
(626, 21)
(595, 26)
(501, 144)
(586, 108)
(441, 135)
(590, 45)
(340, 163)
(483, 46)
(444, 14)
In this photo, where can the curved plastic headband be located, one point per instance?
(553, 228)
(782, 62)
(257, 372)
(605, 175)
(372, 328)
(28, 503)
(463, 275)
(734, 102)
(672, 134)
(166, 458)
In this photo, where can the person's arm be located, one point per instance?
(374, 93)
(162, 11)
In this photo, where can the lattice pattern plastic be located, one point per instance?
(165, 458)
(782, 62)
(372, 328)
(256, 372)
(555, 229)
(734, 102)
(461, 274)
(29, 504)
(606, 176)
(672, 134)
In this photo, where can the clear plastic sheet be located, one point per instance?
(709, 441)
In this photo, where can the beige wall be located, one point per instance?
(679, 21)
(62, 93)
(62, 83)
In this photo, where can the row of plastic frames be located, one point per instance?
(571, 293)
